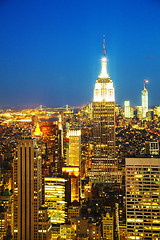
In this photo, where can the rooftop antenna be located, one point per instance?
(104, 51)
(145, 81)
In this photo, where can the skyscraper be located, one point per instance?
(27, 189)
(143, 198)
(145, 100)
(140, 112)
(103, 164)
(127, 109)
(74, 147)
(55, 198)
(74, 181)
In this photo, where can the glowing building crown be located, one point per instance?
(104, 90)
(37, 132)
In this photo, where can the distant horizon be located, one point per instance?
(34, 107)
(50, 51)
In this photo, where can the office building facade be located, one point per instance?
(143, 198)
(27, 194)
(74, 147)
(127, 109)
(54, 188)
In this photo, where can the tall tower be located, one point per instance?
(145, 99)
(27, 189)
(103, 164)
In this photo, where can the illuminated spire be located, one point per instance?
(104, 73)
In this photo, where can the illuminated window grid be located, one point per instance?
(55, 199)
(142, 198)
(74, 147)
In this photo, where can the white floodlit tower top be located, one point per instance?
(104, 90)
(104, 73)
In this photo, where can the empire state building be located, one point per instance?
(103, 164)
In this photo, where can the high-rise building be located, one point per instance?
(3, 223)
(127, 109)
(74, 147)
(143, 198)
(140, 112)
(132, 112)
(62, 134)
(103, 163)
(27, 194)
(73, 177)
(6, 201)
(52, 137)
(55, 198)
(145, 101)
(108, 225)
(44, 224)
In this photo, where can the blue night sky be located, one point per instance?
(50, 50)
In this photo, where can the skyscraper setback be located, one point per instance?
(103, 164)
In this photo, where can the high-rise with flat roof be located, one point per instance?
(54, 188)
(127, 109)
(27, 195)
(143, 198)
(74, 147)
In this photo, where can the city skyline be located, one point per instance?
(50, 52)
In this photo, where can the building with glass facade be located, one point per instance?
(143, 198)
(127, 109)
(54, 188)
(74, 147)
